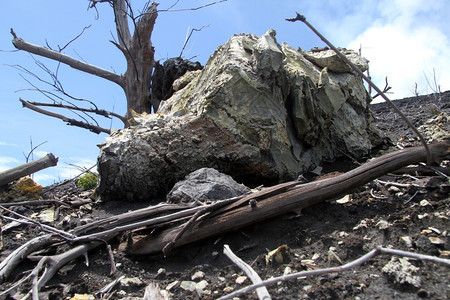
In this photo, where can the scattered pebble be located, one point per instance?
(188, 285)
(307, 288)
(436, 240)
(383, 224)
(407, 241)
(197, 275)
(362, 224)
(343, 200)
(200, 286)
(171, 285)
(131, 281)
(241, 279)
(287, 270)
(424, 203)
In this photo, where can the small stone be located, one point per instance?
(197, 275)
(362, 224)
(383, 224)
(287, 270)
(393, 189)
(241, 279)
(82, 297)
(343, 200)
(161, 271)
(407, 241)
(228, 289)
(171, 285)
(307, 288)
(424, 203)
(424, 245)
(402, 271)
(436, 240)
(199, 287)
(188, 285)
(445, 253)
(131, 281)
(435, 230)
(420, 217)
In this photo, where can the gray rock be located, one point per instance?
(259, 111)
(327, 58)
(401, 271)
(204, 185)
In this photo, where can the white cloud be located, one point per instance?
(406, 43)
(8, 144)
(7, 163)
(39, 154)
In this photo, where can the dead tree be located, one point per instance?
(137, 49)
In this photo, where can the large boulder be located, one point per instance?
(259, 111)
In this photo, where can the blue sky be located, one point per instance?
(403, 39)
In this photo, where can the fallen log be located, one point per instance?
(29, 168)
(270, 202)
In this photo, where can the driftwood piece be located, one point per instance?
(29, 168)
(270, 203)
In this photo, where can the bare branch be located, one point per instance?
(73, 122)
(65, 59)
(72, 40)
(352, 264)
(262, 291)
(385, 90)
(27, 157)
(101, 112)
(44, 227)
(193, 8)
(189, 36)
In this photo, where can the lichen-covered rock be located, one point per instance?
(259, 111)
(21, 190)
(327, 58)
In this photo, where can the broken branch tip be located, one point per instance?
(13, 33)
(299, 17)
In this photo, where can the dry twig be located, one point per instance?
(254, 277)
(350, 265)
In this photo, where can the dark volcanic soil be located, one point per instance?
(405, 211)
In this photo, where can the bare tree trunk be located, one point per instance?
(29, 168)
(139, 53)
